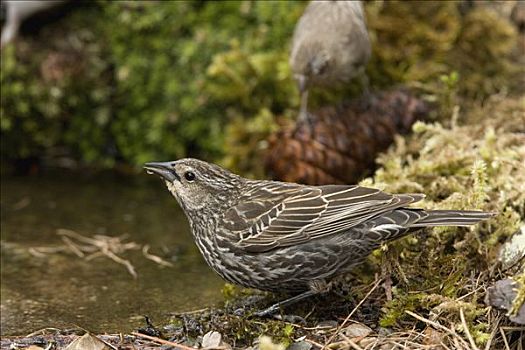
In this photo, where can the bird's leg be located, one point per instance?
(303, 112)
(315, 287)
(275, 307)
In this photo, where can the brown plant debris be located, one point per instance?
(89, 248)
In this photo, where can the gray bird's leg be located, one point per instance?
(277, 306)
(315, 287)
(303, 112)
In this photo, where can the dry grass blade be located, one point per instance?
(449, 331)
(504, 337)
(466, 330)
(352, 313)
(155, 258)
(42, 331)
(350, 342)
(41, 252)
(99, 245)
(313, 342)
(495, 329)
(74, 248)
(124, 262)
(77, 236)
(162, 341)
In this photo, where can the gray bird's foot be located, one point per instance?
(305, 117)
(243, 308)
(277, 306)
(268, 311)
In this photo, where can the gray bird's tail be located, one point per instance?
(452, 218)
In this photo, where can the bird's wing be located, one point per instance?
(276, 214)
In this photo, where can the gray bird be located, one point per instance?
(279, 236)
(18, 11)
(330, 45)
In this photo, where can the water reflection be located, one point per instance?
(62, 290)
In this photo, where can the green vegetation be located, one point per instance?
(476, 163)
(132, 82)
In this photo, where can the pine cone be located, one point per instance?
(341, 144)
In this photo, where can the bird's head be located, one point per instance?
(196, 184)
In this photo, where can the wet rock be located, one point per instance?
(327, 324)
(502, 296)
(301, 345)
(384, 332)
(87, 342)
(356, 330)
(211, 340)
(514, 250)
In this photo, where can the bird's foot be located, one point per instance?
(243, 308)
(277, 306)
(268, 311)
(305, 125)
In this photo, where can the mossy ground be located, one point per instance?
(468, 161)
(471, 156)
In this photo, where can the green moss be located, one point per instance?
(476, 163)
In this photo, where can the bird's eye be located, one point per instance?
(190, 176)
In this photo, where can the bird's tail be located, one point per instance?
(453, 218)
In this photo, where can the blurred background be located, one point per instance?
(92, 90)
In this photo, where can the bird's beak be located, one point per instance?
(302, 82)
(164, 170)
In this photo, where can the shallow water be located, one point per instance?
(63, 290)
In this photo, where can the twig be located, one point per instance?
(42, 251)
(437, 325)
(93, 255)
(119, 260)
(74, 248)
(466, 330)
(351, 313)
(402, 346)
(155, 258)
(105, 342)
(320, 346)
(504, 336)
(493, 334)
(42, 331)
(443, 345)
(351, 342)
(73, 234)
(162, 341)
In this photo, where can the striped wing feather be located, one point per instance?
(272, 215)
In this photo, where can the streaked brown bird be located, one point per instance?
(279, 236)
(330, 45)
